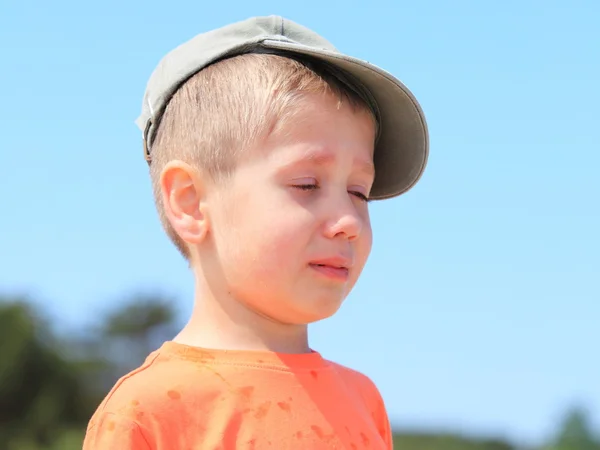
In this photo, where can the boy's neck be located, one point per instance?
(227, 324)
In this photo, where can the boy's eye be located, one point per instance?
(306, 187)
(360, 196)
(311, 187)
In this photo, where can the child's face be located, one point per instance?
(291, 228)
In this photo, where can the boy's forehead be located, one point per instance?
(323, 135)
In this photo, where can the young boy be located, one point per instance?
(264, 145)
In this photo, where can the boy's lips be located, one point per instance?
(336, 268)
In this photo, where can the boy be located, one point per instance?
(264, 145)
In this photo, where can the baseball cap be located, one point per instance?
(402, 146)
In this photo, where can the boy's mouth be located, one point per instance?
(333, 268)
(338, 262)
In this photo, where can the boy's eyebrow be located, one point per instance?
(321, 158)
(368, 167)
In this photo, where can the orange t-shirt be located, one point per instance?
(187, 398)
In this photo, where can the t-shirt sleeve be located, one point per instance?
(110, 431)
(378, 409)
(381, 417)
(384, 427)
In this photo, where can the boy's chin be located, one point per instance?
(310, 311)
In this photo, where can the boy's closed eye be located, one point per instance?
(314, 186)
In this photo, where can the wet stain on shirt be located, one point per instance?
(365, 439)
(174, 395)
(246, 391)
(284, 406)
(262, 410)
(318, 431)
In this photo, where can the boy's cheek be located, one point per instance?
(262, 249)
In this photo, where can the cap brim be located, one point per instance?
(402, 149)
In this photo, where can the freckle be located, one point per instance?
(299, 434)
(139, 415)
(174, 395)
(111, 426)
(135, 402)
(318, 431)
(365, 439)
(314, 374)
(283, 405)
(262, 410)
(247, 391)
(260, 361)
(353, 446)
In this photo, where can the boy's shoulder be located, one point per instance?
(146, 401)
(363, 384)
(161, 379)
(354, 377)
(138, 387)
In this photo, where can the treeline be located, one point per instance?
(51, 382)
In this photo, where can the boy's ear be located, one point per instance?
(183, 192)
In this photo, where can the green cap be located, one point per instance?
(402, 146)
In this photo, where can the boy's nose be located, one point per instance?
(346, 224)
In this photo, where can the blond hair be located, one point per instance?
(230, 105)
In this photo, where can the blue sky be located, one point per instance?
(478, 309)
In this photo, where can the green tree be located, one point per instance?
(50, 387)
(446, 441)
(41, 393)
(130, 332)
(576, 432)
